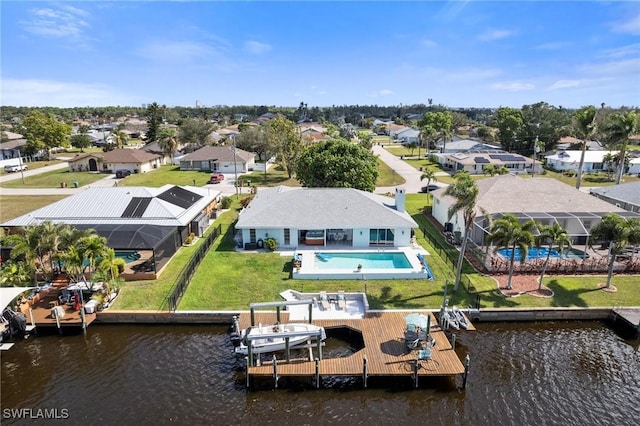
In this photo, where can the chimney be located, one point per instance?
(400, 199)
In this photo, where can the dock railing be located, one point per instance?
(190, 268)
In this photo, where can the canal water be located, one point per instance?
(553, 373)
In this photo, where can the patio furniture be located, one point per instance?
(324, 301)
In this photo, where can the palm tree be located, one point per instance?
(552, 235)
(507, 232)
(608, 161)
(427, 135)
(465, 191)
(430, 176)
(412, 146)
(584, 126)
(91, 248)
(617, 132)
(618, 232)
(119, 136)
(490, 170)
(168, 141)
(15, 274)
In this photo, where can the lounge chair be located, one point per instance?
(424, 354)
(342, 302)
(324, 301)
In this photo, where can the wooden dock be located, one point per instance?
(629, 316)
(384, 350)
(38, 310)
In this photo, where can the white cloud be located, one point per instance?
(513, 86)
(256, 48)
(428, 43)
(553, 45)
(495, 35)
(564, 84)
(176, 51)
(631, 50)
(63, 22)
(629, 25)
(385, 92)
(62, 94)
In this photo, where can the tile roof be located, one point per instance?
(311, 208)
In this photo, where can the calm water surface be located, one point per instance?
(533, 374)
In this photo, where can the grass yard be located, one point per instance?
(229, 280)
(590, 179)
(12, 206)
(53, 179)
(166, 174)
(33, 166)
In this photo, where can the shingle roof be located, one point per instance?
(128, 156)
(513, 194)
(286, 207)
(218, 153)
(626, 192)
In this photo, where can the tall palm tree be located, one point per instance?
(552, 235)
(430, 176)
(608, 161)
(465, 191)
(507, 232)
(619, 233)
(584, 127)
(92, 248)
(616, 133)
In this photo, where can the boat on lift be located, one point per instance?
(273, 338)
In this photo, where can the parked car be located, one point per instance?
(216, 177)
(123, 173)
(15, 168)
(429, 188)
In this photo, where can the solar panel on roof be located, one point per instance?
(180, 197)
(481, 160)
(136, 207)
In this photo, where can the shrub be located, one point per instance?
(119, 263)
(245, 202)
(225, 203)
(570, 173)
(190, 238)
(271, 243)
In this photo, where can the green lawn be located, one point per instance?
(33, 165)
(53, 179)
(12, 206)
(230, 280)
(166, 174)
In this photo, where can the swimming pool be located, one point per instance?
(541, 253)
(367, 260)
(387, 264)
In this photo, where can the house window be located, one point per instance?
(597, 166)
(252, 235)
(287, 236)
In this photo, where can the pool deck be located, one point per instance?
(308, 270)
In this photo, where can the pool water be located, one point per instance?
(127, 256)
(533, 253)
(541, 253)
(368, 260)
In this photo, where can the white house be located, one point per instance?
(570, 160)
(544, 200)
(408, 135)
(224, 159)
(326, 217)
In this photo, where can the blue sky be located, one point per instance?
(459, 53)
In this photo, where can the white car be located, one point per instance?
(15, 168)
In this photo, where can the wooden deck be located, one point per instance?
(41, 309)
(384, 349)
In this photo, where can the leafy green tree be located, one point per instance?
(465, 191)
(195, 131)
(618, 232)
(436, 125)
(584, 127)
(154, 122)
(412, 147)
(617, 132)
(545, 122)
(80, 141)
(338, 164)
(510, 124)
(507, 232)
(366, 139)
(120, 138)
(256, 139)
(553, 236)
(15, 274)
(43, 131)
(490, 170)
(287, 143)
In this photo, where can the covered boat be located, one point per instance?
(273, 338)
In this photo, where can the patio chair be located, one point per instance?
(424, 354)
(324, 301)
(342, 302)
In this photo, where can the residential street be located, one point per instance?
(402, 169)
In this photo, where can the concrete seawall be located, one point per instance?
(225, 317)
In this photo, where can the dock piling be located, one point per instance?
(317, 373)
(275, 372)
(467, 361)
(416, 366)
(364, 371)
(453, 341)
(247, 375)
